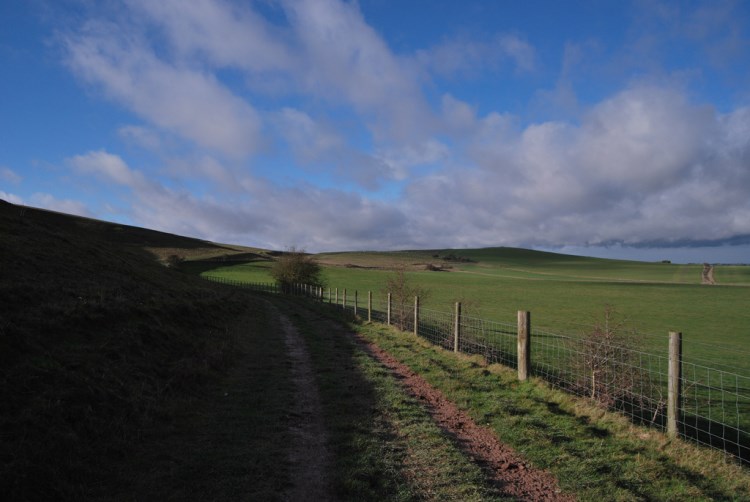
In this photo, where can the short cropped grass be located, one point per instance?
(104, 352)
(597, 455)
(561, 296)
(228, 439)
(385, 445)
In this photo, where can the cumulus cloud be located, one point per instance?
(9, 176)
(309, 139)
(69, 206)
(12, 198)
(320, 49)
(467, 56)
(181, 99)
(223, 34)
(143, 137)
(660, 167)
(401, 161)
(274, 216)
(346, 59)
(109, 167)
(643, 164)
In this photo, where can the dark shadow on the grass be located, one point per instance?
(360, 470)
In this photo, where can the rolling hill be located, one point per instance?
(97, 336)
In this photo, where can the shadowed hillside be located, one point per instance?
(96, 338)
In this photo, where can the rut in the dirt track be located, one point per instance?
(506, 469)
(309, 456)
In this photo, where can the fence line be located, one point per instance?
(695, 402)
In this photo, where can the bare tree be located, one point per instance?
(402, 291)
(609, 359)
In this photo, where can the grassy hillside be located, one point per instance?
(529, 264)
(566, 294)
(122, 378)
(98, 341)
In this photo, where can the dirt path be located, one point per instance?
(309, 455)
(505, 468)
(508, 471)
(707, 275)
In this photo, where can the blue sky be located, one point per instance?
(617, 129)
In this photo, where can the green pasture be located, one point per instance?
(565, 294)
(568, 295)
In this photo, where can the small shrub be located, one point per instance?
(607, 360)
(402, 292)
(296, 267)
(174, 260)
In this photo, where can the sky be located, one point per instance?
(602, 128)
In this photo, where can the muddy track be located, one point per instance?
(507, 471)
(309, 455)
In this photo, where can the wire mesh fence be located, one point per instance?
(268, 287)
(713, 405)
(716, 409)
(495, 341)
(437, 327)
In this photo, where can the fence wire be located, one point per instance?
(715, 407)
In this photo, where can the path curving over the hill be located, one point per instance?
(707, 275)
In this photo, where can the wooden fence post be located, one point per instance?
(343, 305)
(524, 344)
(674, 384)
(416, 315)
(457, 327)
(388, 313)
(356, 302)
(369, 306)
(337, 297)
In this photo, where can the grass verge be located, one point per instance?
(595, 454)
(384, 444)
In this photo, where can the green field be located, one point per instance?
(565, 294)
(124, 375)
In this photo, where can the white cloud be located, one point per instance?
(206, 170)
(8, 176)
(12, 198)
(644, 165)
(322, 49)
(222, 33)
(466, 56)
(400, 161)
(309, 139)
(264, 214)
(68, 206)
(181, 99)
(345, 59)
(144, 137)
(109, 167)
